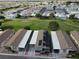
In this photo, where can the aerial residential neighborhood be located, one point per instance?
(39, 29)
(62, 11)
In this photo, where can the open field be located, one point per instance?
(69, 25)
(38, 24)
(32, 23)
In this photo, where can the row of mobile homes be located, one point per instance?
(62, 43)
(24, 42)
(42, 42)
(75, 37)
(5, 36)
(15, 40)
(33, 40)
(39, 43)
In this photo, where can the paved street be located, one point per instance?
(20, 57)
(15, 56)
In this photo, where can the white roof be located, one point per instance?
(46, 14)
(34, 37)
(25, 39)
(55, 40)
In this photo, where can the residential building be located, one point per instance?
(23, 45)
(14, 41)
(75, 37)
(5, 36)
(62, 43)
(61, 13)
(41, 42)
(77, 16)
(10, 14)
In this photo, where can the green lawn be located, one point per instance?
(33, 24)
(38, 24)
(69, 25)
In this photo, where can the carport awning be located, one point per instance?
(25, 39)
(55, 41)
(34, 37)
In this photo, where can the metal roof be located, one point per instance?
(17, 37)
(5, 36)
(34, 37)
(69, 41)
(75, 36)
(25, 39)
(40, 38)
(64, 40)
(55, 40)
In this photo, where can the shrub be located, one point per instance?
(53, 25)
(6, 27)
(27, 27)
(6, 20)
(38, 15)
(51, 16)
(0, 23)
(72, 16)
(2, 17)
(10, 49)
(18, 16)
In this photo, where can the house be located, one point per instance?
(5, 36)
(77, 16)
(50, 7)
(40, 43)
(75, 37)
(72, 8)
(42, 10)
(61, 6)
(36, 41)
(47, 13)
(23, 45)
(14, 41)
(40, 46)
(73, 11)
(26, 12)
(10, 14)
(61, 13)
(35, 11)
(61, 16)
(62, 43)
(33, 42)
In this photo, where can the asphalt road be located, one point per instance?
(18, 57)
(22, 57)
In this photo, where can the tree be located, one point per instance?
(6, 27)
(54, 7)
(40, 3)
(0, 23)
(68, 2)
(53, 25)
(51, 1)
(18, 16)
(9, 48)
(27, 27)
(72, 16)
(38, 15)
(2, 17)
(51, 16)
